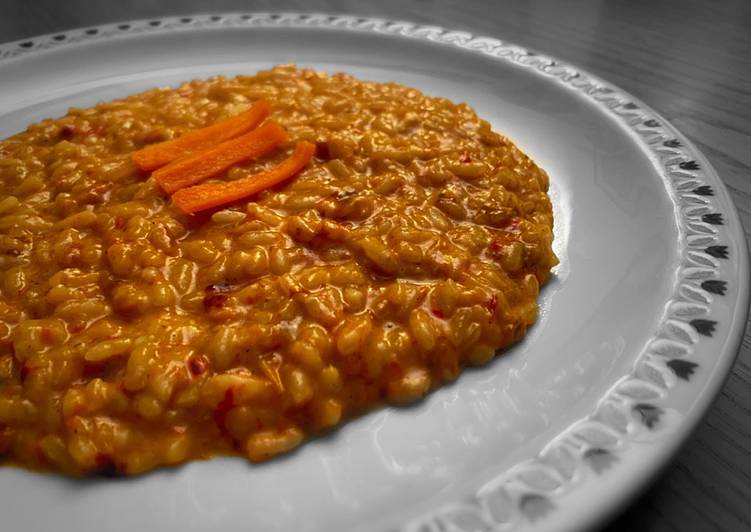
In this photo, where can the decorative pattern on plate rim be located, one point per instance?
(634, 406)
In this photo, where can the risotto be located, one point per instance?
(134, 335)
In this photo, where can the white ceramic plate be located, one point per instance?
(638, 328)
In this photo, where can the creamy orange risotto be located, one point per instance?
(134, 335)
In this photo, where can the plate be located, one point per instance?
(637, 331)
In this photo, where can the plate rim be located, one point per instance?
(696, 192)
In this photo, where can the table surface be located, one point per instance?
(690, 60)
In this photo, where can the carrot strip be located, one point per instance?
(201, 197)
(215, 160)
(157, 155)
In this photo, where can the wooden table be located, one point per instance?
(688, 59)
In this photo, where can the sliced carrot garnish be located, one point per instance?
(215, 160)
(207, 196)
(157, 155)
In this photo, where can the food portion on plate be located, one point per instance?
(235, 264)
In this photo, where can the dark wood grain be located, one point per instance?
(688, 59)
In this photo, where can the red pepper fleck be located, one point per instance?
(492, 304)
(214, 300)
(120, 222)
(216, 295)
(67, 132)
(438, 313)
(25, 372)
(465, 157)
(198, 365)
(496, 246)
(223, 408)
(323, 151)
